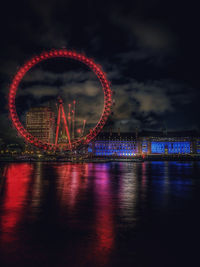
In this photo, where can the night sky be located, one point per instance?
(149, 50)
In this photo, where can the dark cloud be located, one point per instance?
(148, 104)
(149, 50)
(147, 34)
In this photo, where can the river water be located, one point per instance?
(100, 214)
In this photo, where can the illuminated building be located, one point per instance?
(145, 143)
(115, 148)
(40, 122)
(198, 146)
(179, 147)
(114, 144)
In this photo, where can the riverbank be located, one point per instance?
(103, 159)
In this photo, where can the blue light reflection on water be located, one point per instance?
(104, 214)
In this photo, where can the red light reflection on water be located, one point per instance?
(104, 214)
(72, 180)
(144, 177)
(17, 179)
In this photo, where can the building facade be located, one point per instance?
(40, 122)
(145, 143)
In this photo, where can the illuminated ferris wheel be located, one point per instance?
(71, 142)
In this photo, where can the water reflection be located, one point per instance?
(37, 185)
(104, 221)
(128, 191)
(86, 214)
(72, 181)
(18, 178)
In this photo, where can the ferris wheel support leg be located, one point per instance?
(57, 127)
(66, 127)
(73, 119)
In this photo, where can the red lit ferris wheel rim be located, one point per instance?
(65, 54)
